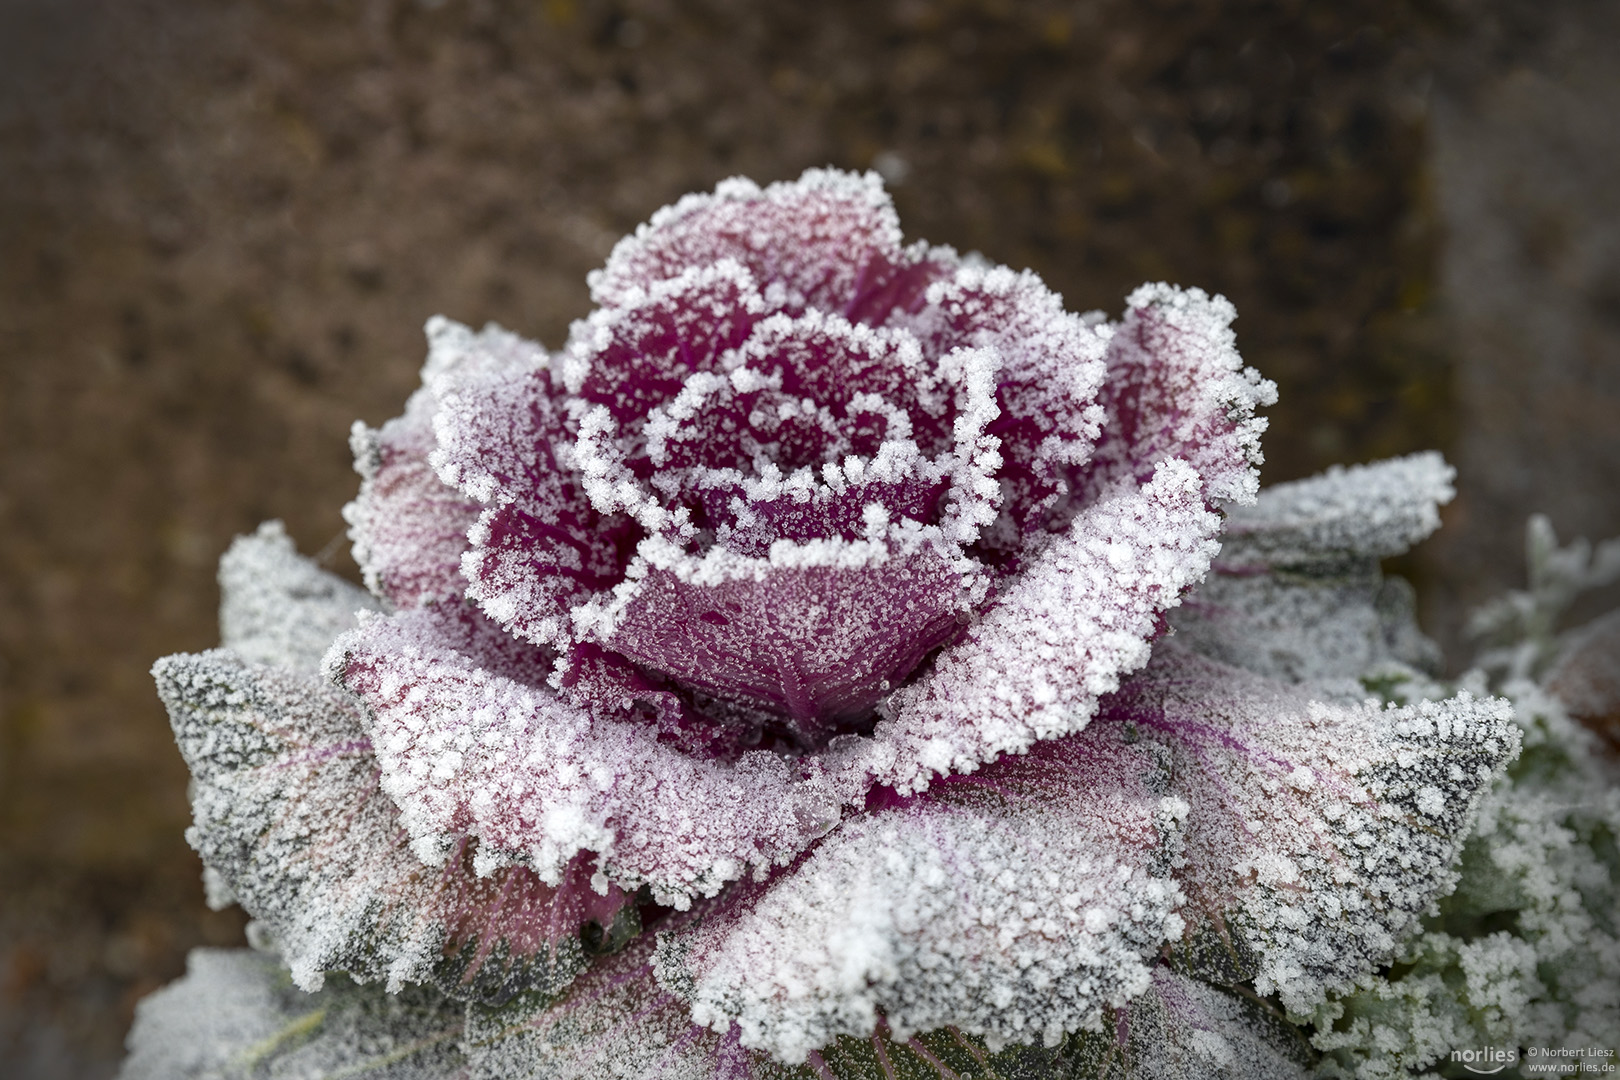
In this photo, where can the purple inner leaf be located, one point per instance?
(810, 239)
(633, 358)
(815, 647)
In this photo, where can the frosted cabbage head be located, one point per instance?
(790, 509)
(809, 591)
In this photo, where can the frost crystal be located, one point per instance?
(774, 682)
(1014, 905)
(1296, 591)
(290, 822)
(1317, 833)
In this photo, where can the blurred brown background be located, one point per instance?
(222, 225)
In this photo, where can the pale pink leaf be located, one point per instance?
(1018, 904)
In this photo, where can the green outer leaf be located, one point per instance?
(277, 607)
(947, 1055)
(236, 1014)
(289, 815)
(1181, 1029)
(1318, 834)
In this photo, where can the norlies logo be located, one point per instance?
(1491, 1059)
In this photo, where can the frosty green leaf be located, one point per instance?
(1526, 950)
(280, 609)
(236, 1015)
(289, 817)
(1520, 629)
(1296, 592)
(1317, 833)
(615, 1021)
(1359, 512)
(1184, 1029)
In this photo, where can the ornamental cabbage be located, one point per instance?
(778, 680)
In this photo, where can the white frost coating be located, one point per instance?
(1541, 852)
(809, 224)
(471, 376)
(288, 815)
(1184, 1029)
(274, 757)
(1319, 880)
(1538, 860)
(1328, 632)
(502, 442)
(718, 565)
(1297, 593)
(1176, 386)
(708, 293)
(598, 618)
(1017, 912)
(684, 423)
(467, 751)
(234, 1015)
(975, 494)
(1366, 511)
(1014, 314)
(409, 529)
(1051, 370)
(279, 608)
(1482, 998)
(1061, 635)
